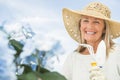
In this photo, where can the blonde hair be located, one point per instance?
(105, 36)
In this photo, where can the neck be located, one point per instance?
(94, 45)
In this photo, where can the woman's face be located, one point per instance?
(92, 28)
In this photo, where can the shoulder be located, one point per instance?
(72, 55)
(115, 52)
(116, 56)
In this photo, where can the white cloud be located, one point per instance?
(46, 16)
(13, 27)
(39, 20)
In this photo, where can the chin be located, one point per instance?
(90, 40)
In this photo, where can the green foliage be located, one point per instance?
(42, 70)
(28, 74)
(27, 68)
(17, 46)
(52, 76)
(44, 76)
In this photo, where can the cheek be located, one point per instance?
(82, 31)
(82, 28)
(101, 31)
(101, 28)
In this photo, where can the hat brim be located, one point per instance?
(71, 20)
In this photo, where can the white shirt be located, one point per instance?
(77, 66)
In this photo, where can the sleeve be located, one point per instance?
(112, 69)
(118, 63)
(117, 51)
(67, 67)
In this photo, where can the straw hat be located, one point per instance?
(95, 9)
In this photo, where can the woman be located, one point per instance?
(92, 26)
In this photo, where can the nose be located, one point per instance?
(90, 25)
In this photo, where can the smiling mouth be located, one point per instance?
(90, 33)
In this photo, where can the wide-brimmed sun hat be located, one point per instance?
(71, 19)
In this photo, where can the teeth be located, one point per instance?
(90, 32)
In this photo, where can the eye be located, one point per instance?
(85, 20)
(96, 22)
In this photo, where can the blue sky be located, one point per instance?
(45, 16)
